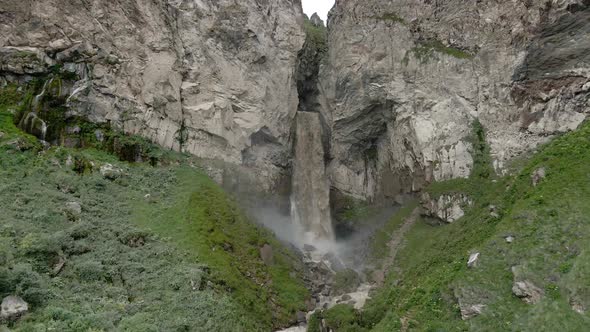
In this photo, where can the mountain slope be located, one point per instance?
(535, 235)
(95, 243)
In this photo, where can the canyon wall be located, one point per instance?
(405, 80)
(212, 78)
(399, 90)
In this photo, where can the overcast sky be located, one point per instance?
(322, 7)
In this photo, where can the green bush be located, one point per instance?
(346, 281)
(90, 271)
(29, 284)
(42, 250)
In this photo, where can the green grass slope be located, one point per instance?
(550, 224)
(158, 249)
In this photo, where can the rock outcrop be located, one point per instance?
(527, 291)
(12, 308)
(212, 78)
(404, 81)
(447, 207)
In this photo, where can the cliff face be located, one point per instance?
(399, 90)
(405, 80)
(212, 78)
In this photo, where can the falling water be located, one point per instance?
(38, 98)
(31, 122)
(43, 130)
(310, 198)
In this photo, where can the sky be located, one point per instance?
(322, 7)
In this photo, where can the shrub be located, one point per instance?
(346, 281)
(90, 271)
(29, 284)
(42, 250)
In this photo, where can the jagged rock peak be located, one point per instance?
(316, 20)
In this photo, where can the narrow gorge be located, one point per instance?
(224, 165)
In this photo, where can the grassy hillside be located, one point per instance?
(550, 224)
(157, 249)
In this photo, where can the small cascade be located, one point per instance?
(31, 122)
(310, 198)
(39, 98)
(43, 130)
(34, 125)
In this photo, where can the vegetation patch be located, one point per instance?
(156, 249)
(316, 37)
(391, 17)
(547, 228)
(426, 50)
(379, 249)
(202, 220)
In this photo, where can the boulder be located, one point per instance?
(470, 311)
(309, 248)
(577, 306)
(266, 254)
(494, 211)
(448, 207)
(73, 210)
(110, 172)
(527, 291)
(1, 135)
(473, 260)
(13, 307)
(470, 299)
(538, 175)
(301, 317)
(311, 304)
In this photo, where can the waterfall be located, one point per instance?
(38, 98)
(31, 122)
(310, 197)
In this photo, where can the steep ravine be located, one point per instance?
(473, 111)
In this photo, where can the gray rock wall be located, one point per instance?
(405, 79)
(213, 78)
(401, 85)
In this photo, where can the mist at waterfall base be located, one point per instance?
(288, 230)
(309, 223)
(352, 250)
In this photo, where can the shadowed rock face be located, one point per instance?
(404, 80)
(204, 77)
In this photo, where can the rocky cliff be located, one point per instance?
(212, 78)
(405, 80)
(399, 89)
